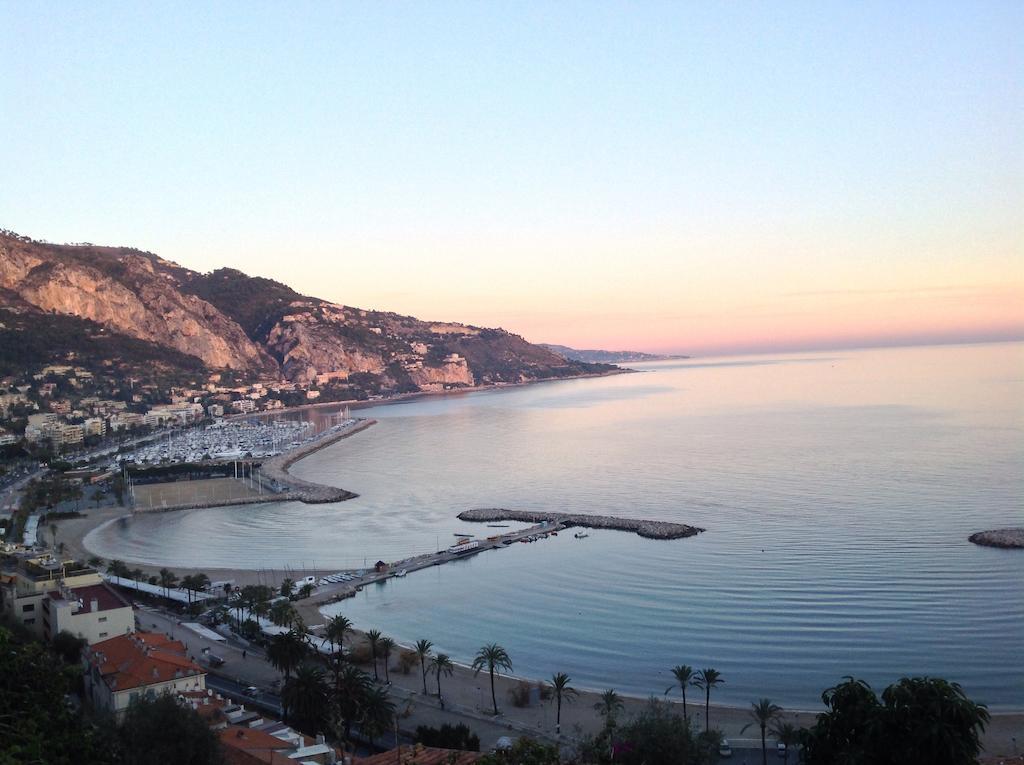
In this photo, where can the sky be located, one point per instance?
(688, 177)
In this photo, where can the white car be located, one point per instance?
(780, 749)
(724, 750)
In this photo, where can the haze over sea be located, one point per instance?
(837, 490)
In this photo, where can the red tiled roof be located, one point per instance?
(140, 659)
(420, 755)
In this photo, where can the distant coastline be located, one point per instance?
(1005, 539)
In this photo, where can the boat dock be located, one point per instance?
(353, 581)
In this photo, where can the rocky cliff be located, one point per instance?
(261, 327)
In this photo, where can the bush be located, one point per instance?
(449, 737)
(520, 694)
(407, 660)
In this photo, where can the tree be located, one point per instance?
(684, 677)
(423, 651)
(337, 628)
(306, 696)
(96, 496)
(919, 720)
(387, 645)
(441, 665)
(373, 639)
(137, 574)
(168, 579)
(378, 713)
(69, 646)
(351, 686)
(95, 561)
(788, 735)
(282, 614)
(305, 591)
(286, 652)
(933, 721)
(37, 726)
(161, 730)
(493, 657)
(562, 692)
(525, 751)
(657, 735)
(764, 713)
(448, 737)
(118, 568)
(706, 680)
(608, 706)
(287, 587)
(53, 533)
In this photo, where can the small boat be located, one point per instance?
(581, 535)
(403, 572)
(497, 525)
(466, 536)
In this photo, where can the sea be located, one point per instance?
(836, 492)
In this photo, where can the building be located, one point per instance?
(420, 755)
(139, 665)
(25, 596)
(125, 421)
(95, 426)
(72, 434)
(244, 406)
(94, 613)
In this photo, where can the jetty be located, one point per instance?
(644, 528)
(1006, 539)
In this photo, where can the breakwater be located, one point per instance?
(276, 469)
(1007, 539)
(644, 528)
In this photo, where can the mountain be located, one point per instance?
(606, 357)
(256, 327)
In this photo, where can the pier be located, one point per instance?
(644, 528)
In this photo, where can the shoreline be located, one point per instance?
(402, 398)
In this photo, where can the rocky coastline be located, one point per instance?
(644, 528)
(1006, 539)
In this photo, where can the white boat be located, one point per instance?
(581, 535)
(403, 572)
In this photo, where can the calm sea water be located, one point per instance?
(837, 491)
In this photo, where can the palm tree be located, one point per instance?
(764, 713)
(684, 677)
(337, 628)
(351, 686)
(282, 614)
(441, 665)
(378, 713)
(137, 574)
(95, 561)
(53, 533)
(117, 568)
(387, 645)
(707, 679)
(306, 696)
(788, 735)
(373, 638)
(492, 656)
(608, 706)
(287, 587)
(563, 692)
(168, 579)
(423, 651)
(286, 652)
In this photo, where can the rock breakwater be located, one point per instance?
(644, 528)
(1009, 539)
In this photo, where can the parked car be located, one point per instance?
(724, 750)
(215, 660)
(780, 749)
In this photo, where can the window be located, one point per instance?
(102, 619)
(103, 634)
(28, 621)
(28, 608)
